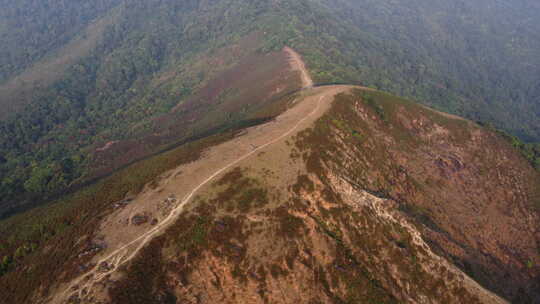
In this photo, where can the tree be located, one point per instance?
(4, 265)
(37, 183)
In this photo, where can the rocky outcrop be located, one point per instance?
(139, 219)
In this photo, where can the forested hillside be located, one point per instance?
(77, 77)
(31, 30)
(151, 58)
(478, 59)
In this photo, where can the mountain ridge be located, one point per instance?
(106, 274)
(155, 202)
(203, 158)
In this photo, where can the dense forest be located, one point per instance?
(31, 30)
(477, 59)
(77, 75)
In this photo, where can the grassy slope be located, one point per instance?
(149, 123)
(230, 96)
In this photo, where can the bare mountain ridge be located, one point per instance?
(348, 191)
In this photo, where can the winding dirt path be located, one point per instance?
(190, 180)
(303, 112)
(127, 244)
(123, 254)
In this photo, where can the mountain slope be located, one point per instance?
(174, 108)
(350, 195)
(332, 203)
(477, 59)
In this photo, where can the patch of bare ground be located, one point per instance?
(163, 201)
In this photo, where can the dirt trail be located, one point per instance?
(188, 180)
(297, 64)
(125, 240)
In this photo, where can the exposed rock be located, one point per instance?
(74, 299)
(104, 267)
(123, 203)
(139, 219)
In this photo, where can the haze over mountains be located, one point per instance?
(242, 151)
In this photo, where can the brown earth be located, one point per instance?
(120, 236)
(350, 196)
(296, 241)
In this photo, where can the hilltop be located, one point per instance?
(350, 195)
